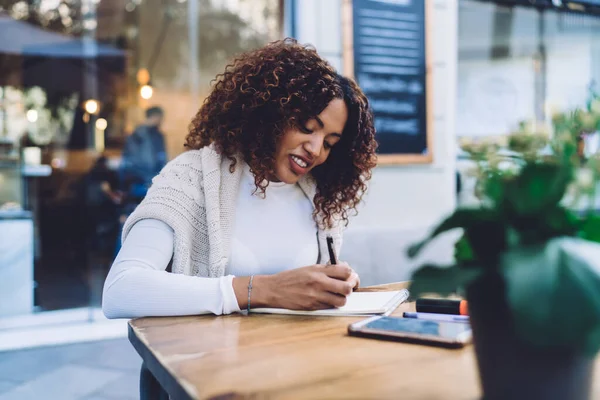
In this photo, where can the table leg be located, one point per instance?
(150, 389)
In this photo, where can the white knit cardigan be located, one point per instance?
(195, 194)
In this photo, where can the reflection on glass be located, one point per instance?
(518, 64)
(519, 70)
(76, 88)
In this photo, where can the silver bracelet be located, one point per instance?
(249, 292)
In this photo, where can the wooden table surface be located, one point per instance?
(298, 357)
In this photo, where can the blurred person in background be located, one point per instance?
(144, 155)
(279, 155)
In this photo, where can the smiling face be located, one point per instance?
(301, 149)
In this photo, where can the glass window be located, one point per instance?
(518, 64)
(517, 67)
(76, 80)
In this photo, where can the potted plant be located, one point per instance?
(529, 264)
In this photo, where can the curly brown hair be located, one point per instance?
(265, 92)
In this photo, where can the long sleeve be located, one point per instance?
(138, 284)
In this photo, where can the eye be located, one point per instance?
(328, 145)
(305, 128)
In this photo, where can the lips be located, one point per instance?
(299, 165)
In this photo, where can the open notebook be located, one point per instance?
(358, 303)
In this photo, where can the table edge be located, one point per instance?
(166, 379)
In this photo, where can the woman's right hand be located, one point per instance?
(308, 288)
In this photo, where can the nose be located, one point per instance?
(313, 146)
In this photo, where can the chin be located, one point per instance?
(287, 176)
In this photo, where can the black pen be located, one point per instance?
(332, 257)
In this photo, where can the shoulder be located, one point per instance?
(136, 137)
(132, 137)
(184, 167)
(196, 158)
(189, 158)
(188, 168)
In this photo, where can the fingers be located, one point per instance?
(339, 263)
(343, 271)
(354, 280)
(337, 286)
(338, 271)
(331, 300)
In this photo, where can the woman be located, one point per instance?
(279, 155)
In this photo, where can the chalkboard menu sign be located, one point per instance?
(389, 49)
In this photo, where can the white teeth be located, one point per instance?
(299, 161)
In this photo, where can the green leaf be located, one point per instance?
(553, 292)
(590, 346)
(494, 187)
(488, 239)
(538, 229)
(461, 218)
(590, 229)
(561, 222)
(537, 188)
(463, 251)
(442, 280)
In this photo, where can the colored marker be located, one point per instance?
(442, 306)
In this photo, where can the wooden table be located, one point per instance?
(298, 357)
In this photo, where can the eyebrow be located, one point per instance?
(322, 125)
